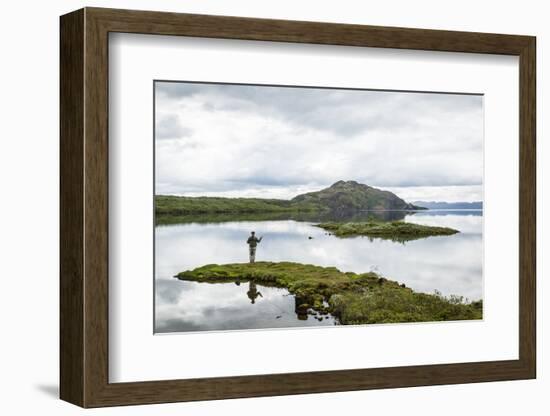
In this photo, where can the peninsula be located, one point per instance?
(353, 298)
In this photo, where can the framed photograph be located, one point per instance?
(254, 207)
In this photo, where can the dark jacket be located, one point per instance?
(253, 241)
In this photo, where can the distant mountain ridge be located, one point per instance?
(354, 196)
(340, 197)
(449, 205)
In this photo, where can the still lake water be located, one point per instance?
(448, 264)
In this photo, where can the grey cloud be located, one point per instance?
(177, 89)
(168, 291)
(324, 108)
(169, 127)
(316, 136)
(261, 179)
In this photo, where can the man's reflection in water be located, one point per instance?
(253, 292)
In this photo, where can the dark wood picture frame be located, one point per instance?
(84, 207)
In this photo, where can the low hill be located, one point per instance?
(354, 196)
(341, 197)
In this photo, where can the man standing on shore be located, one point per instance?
(252, 243)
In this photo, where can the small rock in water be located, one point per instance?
(310, 238)
(278, 316)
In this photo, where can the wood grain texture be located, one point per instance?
(71, 185)
(527, 208)
(84, 207)
(96, 208)
(162, 23)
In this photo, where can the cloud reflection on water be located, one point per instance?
(449, 264)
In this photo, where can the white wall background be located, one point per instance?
(29, 210)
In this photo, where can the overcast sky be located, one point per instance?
(278, 142)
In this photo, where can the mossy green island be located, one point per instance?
(353, 298)
(394, 230)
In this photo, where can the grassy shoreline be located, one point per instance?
(342, 196)
(182, 205)
(353, 298)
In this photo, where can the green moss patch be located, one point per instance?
(353, 298)
(394, 230)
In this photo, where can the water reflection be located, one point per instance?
(253, 292)
(450, 264)
(274, 216)
(189, 306)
